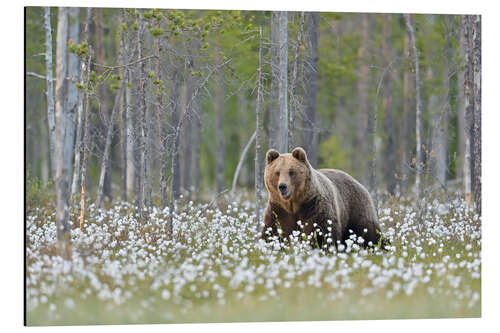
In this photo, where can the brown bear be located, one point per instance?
(328, 203)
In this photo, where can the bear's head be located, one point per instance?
(287, 176)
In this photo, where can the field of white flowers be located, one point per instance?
(214, 269)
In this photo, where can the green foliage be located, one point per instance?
(114, 82)
(38, 194)
(156, 32)
(147, 15)
(333, 155)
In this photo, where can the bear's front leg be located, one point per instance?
(269, 228)
(324, 230)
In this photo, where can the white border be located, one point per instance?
(13, 174)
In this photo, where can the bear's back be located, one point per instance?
(356, 197)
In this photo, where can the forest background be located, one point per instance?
(350, 80)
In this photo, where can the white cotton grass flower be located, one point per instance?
(216, 255)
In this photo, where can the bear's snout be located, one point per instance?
(284, 190)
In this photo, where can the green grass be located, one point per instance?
(292, 305)
(124, 271)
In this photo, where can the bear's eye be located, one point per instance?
(277, 173)
(292, 173)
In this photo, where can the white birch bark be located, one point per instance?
(283, 81)
(130, 142)
(461, 111)
(86, 140)
(240, 163)
(469, 108)
(258, 173)
(78, 143)
(418, 111)
(72, 106)
(62, 193)
(476, 130)
(219, 131)
(50, 91)
(272, 130)
(293, 92)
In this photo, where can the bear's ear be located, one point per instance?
(271, 155)
(300, 154)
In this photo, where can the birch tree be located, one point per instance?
(363, 121)
(50, 91)
(72, 102)
(86, 149)
(176, 118)
(143, 179)
(310, 138)
(103, 93)
(258, 168)
(79, 129)
(196, 141)
(461, 105)
(390, 160)
(107, 145)
(440, 144)
(220, 158)
(294, 103)
(62, 187)
(405, 136)
(476, 129)
(469, 107)
(283, 82)
(418, 112)
(273, 111)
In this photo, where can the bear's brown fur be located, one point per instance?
(298, 192)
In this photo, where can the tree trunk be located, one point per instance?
(240, 163)
(78, 143)
(86, 149)
(434, 111)
(390, 161)
(142, 123)
(407, 122)
(219, 132)
(418, 161)
(310, 136)
(107, 146)
(363, 115)
(123, 141)
(258, 105)
(176, 113)
(293, 95)
(461, 111)
(187, 155)
(440, 144)
(73, 61)
(123, 111)
(283, 82)
(196, 141)
(103, 94)
(62, 190)
(469, 108)
(131, 145)
(50, 91)
(273, 107)
(476, 130)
